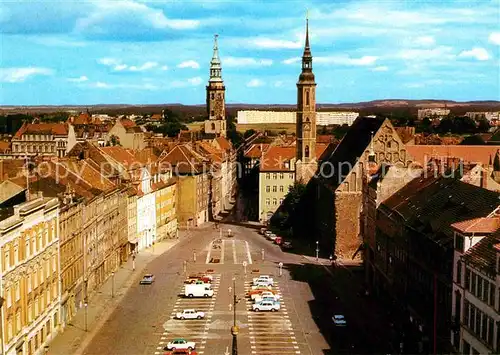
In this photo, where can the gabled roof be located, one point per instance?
(431, 205)
(276, 157)
(210, 151)
(184, 160)
(56, 129)
(122, 156)
(351, 147)
(255, 150)
(481, 225)
(88, 174)
(468, 153)
(223, 143)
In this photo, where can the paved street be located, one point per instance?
(143, 322)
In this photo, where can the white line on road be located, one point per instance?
(234, 252)
(209, 252)
(248, 254)
(222, 252)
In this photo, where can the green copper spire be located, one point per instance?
(215, 67)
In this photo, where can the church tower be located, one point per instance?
(305, 127)
(216, 100)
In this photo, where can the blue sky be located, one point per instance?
(154, 52)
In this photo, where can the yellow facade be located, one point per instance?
(29, 249)
(166, 218)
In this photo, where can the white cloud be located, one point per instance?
(164, 67)
(441, 52)
(291, 60)
(255, 83)
(117, 65)
(494, 38)
(102, 85)
(269, 43)
(346, 60)
(186, 83)
(189, 64)
(381, 68)
(143, 86)
(476, 53)
(245, 62)
(278, 84)
(425, 41)
(81, 79)
(18, 75)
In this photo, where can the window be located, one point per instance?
(290, 176)
(16, 255)
(459, 272)
(268, 188)
(281, 188)
(9, 329)
(467, 278)
(30, 312)
(275, 201)
(275, 176)
(28, 281)
(282, 175)
(491, 329)
(47, 296)
(268, 201)
(281, 201)
(473, 283)
(492, 295)
(18, 291)
(275, 188)
(27, 249)
(306, 151)
(18, 322)
(212, 96)
(307, 97)
(459, 243)
(8, 293)
(268, 176)
(37, 304)
(7, 258)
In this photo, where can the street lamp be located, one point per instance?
(317, 250)
(234, 328)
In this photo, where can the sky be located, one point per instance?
(78, 52)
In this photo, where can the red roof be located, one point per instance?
(478, 225)
(255, 150)
(276, 157)
(127, 123)
(56, 129)
(468, 153)
(223, 143)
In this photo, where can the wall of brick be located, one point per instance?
(347, 214)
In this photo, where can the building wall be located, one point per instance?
(187, 199)
(41, 144)
(347, 213)
(202, 198)
(146, 220)
(166, 220)
(132, 218)
(29, 249)
(71, 255)
(322, 118)
(273, 187)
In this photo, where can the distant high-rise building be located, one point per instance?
(306, 164)
(216, 100)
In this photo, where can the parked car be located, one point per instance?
(339, 320)
(190, 314)
(147, 279)
(181, 352)
(287, 245)
(258, 291)
(262, 285)
(278, 240)
(264, 279)
(266, 306)
(180, 343)
(265, 295)
(267, 233)
(263, 231)
(272, 237)
(198, 290)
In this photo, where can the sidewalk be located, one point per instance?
(74, 338)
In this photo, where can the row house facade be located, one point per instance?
(409, 253)
(228, 171)
(476, 286)
(29, 247)
(193, 184)
(43, 139)
(129, 135)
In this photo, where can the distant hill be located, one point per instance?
(190, 112)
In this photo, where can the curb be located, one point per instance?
(104, 317)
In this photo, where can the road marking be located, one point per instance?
(234, 252)
(209, 252)
(222, 251)
(248, 253)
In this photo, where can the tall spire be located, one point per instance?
(307, 73)
(307, 48)
(215, 66)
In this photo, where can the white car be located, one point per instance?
(266, 294)
(181, 344)
(339, 320)
(263, 279)
(262, 285)
(266, 306)
(190, 314)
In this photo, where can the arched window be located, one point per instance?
(306, 151)
(213, 126)
(307, 97)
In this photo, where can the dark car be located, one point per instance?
(287, 245)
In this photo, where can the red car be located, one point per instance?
(181, 352)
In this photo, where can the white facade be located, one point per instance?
(431, 112)
(146, 213)
(322, 118)
(490, 116)
(475, 302)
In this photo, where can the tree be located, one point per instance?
(484, 125)
(284, 218)
(114, 140)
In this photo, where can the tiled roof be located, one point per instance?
(210, 151)
(484, 225)
(121, 156)
(223, 143)
(184, 160)
(325, 138)
(255, 150)
(88, 174)
(351, 147)
(275, 158)
(320, 150)
(8, 189)
(134, 129)
(145, 156)
(483, 255)
(127, 123)
(468, 153)
(431, 205)
(57, 129)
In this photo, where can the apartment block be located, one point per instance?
(29, 283)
